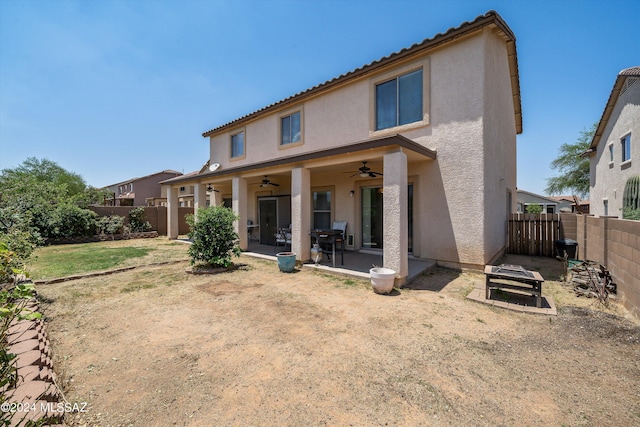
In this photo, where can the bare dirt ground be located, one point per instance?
(156, 346)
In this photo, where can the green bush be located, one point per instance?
(113, 224)
(214, 238)
(534, 208)
(137, 223)
(69, 220)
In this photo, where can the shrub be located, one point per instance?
(214, 238)
(110, 224)
(69, 220)
(628, 213)
(137, 223)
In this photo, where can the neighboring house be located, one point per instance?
(573, 204)
(525, 198)
(615, 149)
(137, 191)
(436, 124)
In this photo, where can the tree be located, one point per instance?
(40, 200)
(573, 166)
(41, 171)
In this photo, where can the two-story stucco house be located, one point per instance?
(615, 149)
(436, 124)
(137, 191)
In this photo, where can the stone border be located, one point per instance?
(103, 273)
(36, 392)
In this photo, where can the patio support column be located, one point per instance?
(301, 213)
(199, 198)
(172, 213)
(215, 198)
(395, 229)
(239, 203)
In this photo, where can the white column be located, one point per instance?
(239, 203)
(172, 213)
(199, 197)
(395, 232)
(301, 213)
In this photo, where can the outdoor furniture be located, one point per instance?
(252, 230)
(514, 277)
(283, 237)
(325, 237)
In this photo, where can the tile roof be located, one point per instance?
(489, 18)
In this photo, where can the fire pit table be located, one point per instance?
(514, 277)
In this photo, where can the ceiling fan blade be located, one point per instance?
(372, 174)
(274, 184)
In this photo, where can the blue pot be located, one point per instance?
(286, 261)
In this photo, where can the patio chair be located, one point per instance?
(283, 237)
(342, 226)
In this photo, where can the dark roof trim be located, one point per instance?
(387, 141)
(611, 103)
(450, 35)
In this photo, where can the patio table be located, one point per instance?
(329, 237)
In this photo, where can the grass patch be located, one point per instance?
(67, 260)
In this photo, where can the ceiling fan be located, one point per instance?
(266, 182)
(211, 189)
(365, 171)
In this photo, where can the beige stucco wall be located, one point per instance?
(460, 199)
(608, 178)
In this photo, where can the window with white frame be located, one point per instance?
(237, 145)
(290, 130)
(625, 142)
(399, 100)
(611, 153)
(321, 209)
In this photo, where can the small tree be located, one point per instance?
(573, 166)
(534, 208)
(214, 238)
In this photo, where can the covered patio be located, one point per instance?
(356, 263)
(282, 194)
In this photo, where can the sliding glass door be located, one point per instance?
(372, 217)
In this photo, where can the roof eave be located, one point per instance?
(392, 140)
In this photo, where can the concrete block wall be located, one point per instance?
(614, 243)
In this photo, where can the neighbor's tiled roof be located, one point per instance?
(608, 109)
(490, 18)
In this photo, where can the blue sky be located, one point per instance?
(113, 90)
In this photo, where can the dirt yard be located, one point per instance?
(156, 346)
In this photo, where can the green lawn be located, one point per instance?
(66, 260)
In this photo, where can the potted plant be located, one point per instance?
(286, 261)
(382, 279)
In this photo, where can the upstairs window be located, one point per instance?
(626, 147)
(399, 101)
(290, 129)
(611, 153)
(237, 145)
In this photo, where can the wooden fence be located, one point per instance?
(533, 234)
